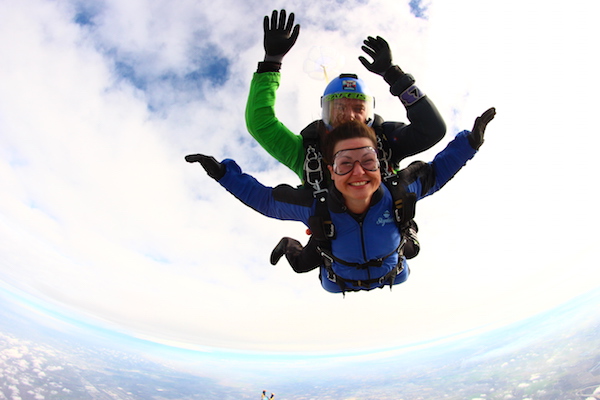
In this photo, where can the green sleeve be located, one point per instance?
(285, 146)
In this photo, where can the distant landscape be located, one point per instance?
(552, 356)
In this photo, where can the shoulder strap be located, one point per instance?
(314, 176)
(311, 131)
(320, 224)
(314, 168)
(404, 202)
(385, 150)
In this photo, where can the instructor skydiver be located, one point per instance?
(345, 98)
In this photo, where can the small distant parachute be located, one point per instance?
(323, 63)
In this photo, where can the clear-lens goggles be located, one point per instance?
(344, 160)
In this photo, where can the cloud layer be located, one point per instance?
(101, 216)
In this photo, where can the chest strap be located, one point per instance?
(343, 283)
(329, 258)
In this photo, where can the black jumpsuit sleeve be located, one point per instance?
(426, 128)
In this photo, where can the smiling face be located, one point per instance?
(358, 185)
(344, 110)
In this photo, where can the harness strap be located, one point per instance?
(329, 258)
(313, 169)
(320, 224)
(377, 262)
(385, 158)
(367, 283)
(404, 202)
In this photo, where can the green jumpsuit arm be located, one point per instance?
(262, 123)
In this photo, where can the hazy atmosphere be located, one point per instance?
(103, 222)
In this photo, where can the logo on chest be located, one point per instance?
(385, 219)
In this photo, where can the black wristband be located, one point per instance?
(401, 84)
(268, 66)
(392, 74)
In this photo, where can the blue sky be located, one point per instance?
(101, 217)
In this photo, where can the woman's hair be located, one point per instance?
(347, 130)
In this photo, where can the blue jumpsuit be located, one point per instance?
(359, 239)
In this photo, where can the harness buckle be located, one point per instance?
(327, 258)
(329, 229)
(385, 159)
(320, 195)
(398, 215)
(313, 169)
(327, 263)
(332, 276)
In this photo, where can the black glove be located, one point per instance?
(279, 37)
(380, 51)
(213, 168)
(476, 135)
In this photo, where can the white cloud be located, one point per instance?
(103, 216)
